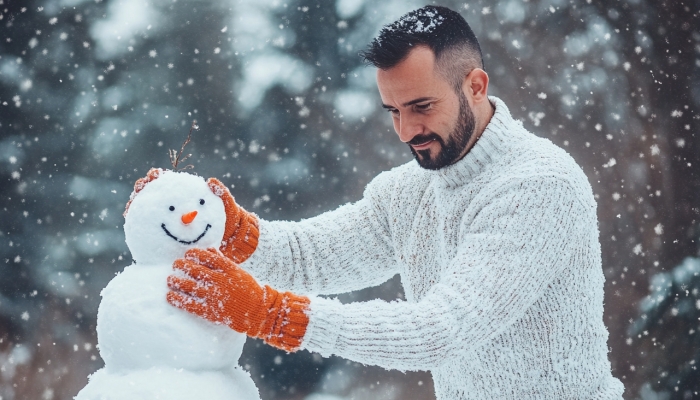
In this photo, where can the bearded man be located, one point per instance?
(492, 230)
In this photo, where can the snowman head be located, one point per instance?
(171, 214)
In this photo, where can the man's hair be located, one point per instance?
(444, 31)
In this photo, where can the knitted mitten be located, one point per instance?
(241, 232)
(141, 183)
(217, 289)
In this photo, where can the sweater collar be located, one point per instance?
(494, 142)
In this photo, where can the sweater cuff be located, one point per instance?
(325, 323)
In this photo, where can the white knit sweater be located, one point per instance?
(500, 261)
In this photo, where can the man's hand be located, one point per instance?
(241, 232)
(217, 289)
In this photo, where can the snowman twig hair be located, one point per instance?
(176, 158)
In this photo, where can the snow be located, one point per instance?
(424, 21)
(150, 348)
(170, 384)
(148, 243)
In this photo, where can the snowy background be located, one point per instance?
(94, 92)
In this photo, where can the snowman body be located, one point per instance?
(151, 349)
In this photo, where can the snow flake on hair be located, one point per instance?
(425, 20)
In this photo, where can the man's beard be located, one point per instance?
(451, 151)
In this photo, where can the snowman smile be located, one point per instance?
(167, 232)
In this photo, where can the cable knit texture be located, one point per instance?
(500, 261)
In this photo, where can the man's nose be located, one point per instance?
(408, 127)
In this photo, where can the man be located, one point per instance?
(493, 231)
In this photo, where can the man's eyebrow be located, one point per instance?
(418, 100)
(410, 103)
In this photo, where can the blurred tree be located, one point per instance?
(668, 329)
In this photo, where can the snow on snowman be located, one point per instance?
(151, 349)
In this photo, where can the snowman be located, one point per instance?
(151, 349)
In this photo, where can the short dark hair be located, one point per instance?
(442, 30)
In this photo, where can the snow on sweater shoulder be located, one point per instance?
(500, 261)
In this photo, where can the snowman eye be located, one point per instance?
(171, 208)
(201, 201)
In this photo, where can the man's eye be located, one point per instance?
(424, 107)
(393, 111)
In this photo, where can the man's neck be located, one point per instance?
(483, 118)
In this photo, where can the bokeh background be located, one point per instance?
(93, 93)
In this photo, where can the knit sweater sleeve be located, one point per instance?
(336, 252)
(509, 252)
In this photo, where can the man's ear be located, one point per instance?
(476, 85)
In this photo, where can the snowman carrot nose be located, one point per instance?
(189, 217)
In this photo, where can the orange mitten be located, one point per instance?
(141, 183)
(241, 232)
(219, 290)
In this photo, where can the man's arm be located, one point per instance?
(509, 254)
(339, 251)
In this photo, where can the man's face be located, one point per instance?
(428, 115)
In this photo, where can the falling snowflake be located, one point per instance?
(637, 249)
(610, 163)
(659, 229)
(152, 53)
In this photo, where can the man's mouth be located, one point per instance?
(167, 232)
(423, 145)
(422, 142)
